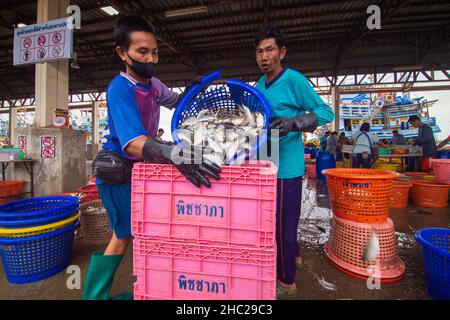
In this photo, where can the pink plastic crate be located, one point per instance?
(189, 271)
(441, 169)
(237, 210)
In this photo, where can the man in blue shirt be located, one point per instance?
(134, 98)
(296, 108)
(323, 140)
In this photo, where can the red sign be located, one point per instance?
(23, 144)
(27, 43)
(48, 150)
(56, 38)
(41, 40)
(41, 53)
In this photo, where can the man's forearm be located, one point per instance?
(135, 147)
(443, 143)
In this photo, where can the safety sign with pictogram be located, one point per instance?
(27, 55)
(27, 43)
(22, 140)
(42, 42)
(48, 149)
(57, 51)
(41, 53)
(57, 38)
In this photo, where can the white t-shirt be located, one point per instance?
(362, 144)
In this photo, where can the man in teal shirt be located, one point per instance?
(296, 108)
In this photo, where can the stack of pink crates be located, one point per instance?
(199, 243)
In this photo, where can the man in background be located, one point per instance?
(323, 140)
(333, 144)
(398, 139)
(425, 139)
(160, 134)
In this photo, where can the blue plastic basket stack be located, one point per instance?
(231, 96)
(436, 254)
(36, 237)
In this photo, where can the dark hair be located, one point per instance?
(395, 131)
(124, 26)
(327, 132)
(334, 133)
(413, 118)
(268, 33)
(342, 133)
(160, 129)
(365, 127)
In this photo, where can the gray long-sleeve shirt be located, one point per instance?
(398, 140)
(425, 139)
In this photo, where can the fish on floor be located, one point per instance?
(324, 284)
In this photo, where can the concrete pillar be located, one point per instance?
(95, 122)
(335, 98)
(12, 125)
(94, 148)
(59, 154)
(60, 159)
(52, 78)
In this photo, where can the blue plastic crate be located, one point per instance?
(229, 96)
(37, 211)
(39, 257)
(436, 253)
(443, 154)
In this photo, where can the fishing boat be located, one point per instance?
(385, 112)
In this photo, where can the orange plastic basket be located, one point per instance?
(361, 195)
(348, 241)
(400, 194)
(429, 194)
(8, 188)
(417, 174)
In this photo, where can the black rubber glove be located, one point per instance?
(304, 122)
(189, 161)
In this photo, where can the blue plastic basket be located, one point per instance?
(229, 96)
(28, 223)
(37, 211)
(436, 253)
(39, 257)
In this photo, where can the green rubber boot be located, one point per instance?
(100, 277)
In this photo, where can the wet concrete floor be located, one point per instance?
(313, 233)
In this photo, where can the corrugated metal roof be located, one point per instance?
(321, 35)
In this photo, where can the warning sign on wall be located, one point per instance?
(22, 140)
(38, 43)
(48, 150)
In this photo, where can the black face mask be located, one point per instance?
(144, 70)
